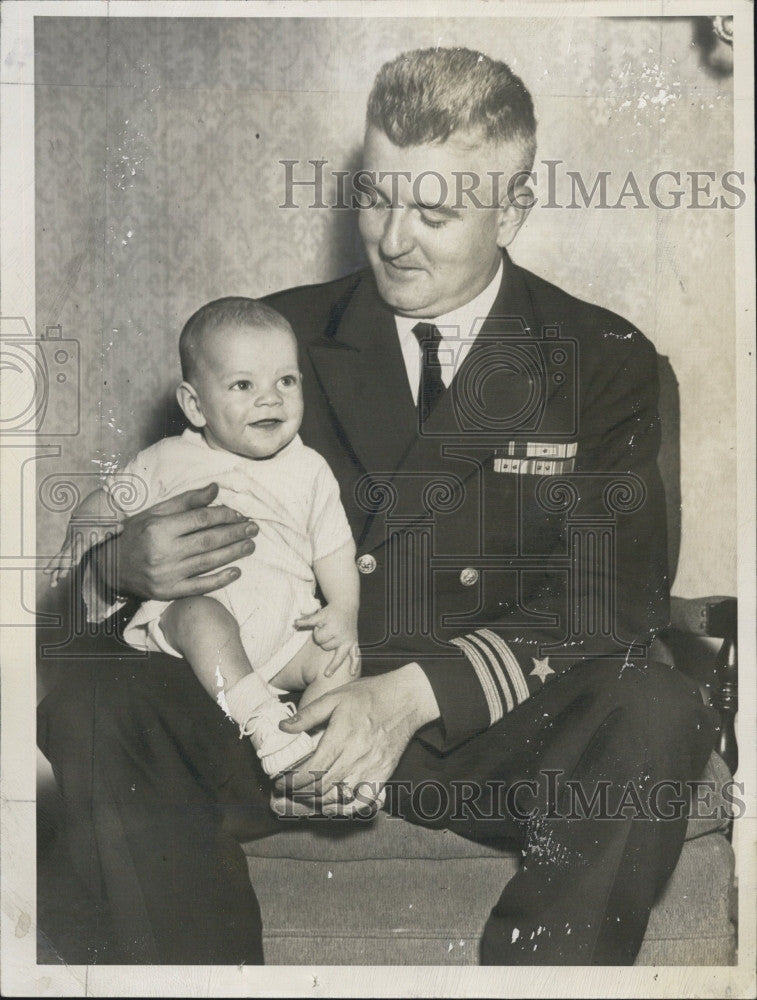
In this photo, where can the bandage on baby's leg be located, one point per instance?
(245, 697)
(253, 704)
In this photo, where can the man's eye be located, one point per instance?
(380, 201)
(242, 385)
(432, 223)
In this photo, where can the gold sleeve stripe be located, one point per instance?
(510, 663)
(494, 666)
(493, 701)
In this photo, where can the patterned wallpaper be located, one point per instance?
(158, 186)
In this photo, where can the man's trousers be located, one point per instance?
(159, 791)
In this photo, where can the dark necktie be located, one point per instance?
(431, 385)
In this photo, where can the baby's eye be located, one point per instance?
(288, 381)
(242, 385)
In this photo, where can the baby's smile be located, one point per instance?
(266, 422)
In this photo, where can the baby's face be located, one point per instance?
(249, 389)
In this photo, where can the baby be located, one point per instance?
(266, 631)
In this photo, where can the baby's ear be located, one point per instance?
(189, 401)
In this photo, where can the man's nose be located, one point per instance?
(396, 238)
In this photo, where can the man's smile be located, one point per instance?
(398, 270)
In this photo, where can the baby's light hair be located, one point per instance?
(234, 310)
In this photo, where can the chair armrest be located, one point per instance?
(716, 617)
(710, 616)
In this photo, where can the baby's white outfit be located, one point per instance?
(293, 497)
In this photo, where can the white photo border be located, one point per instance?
(21, 975)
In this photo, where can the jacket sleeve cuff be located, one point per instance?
(463, 710)
(494, 676)
(474, 691)
(497, 670)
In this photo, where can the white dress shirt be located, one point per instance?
(458, 330)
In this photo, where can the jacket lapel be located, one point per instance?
(362, 372)
(453, 419)
(430, 454)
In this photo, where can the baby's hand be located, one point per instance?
(335, 627)
(73, 550)
(60, 565)
(69, 556)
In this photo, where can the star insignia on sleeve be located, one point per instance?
(542, 669)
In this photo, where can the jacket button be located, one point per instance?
(366, 563)
(469, 576)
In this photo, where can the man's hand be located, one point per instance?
(163, 550)
(370, 723)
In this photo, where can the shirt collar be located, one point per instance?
(461, 322)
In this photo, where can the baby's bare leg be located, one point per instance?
(207, 636)
(306, 672)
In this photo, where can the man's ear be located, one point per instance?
(189, 401)
(517, 203)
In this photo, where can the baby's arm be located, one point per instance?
(335, 626)
(92, 521)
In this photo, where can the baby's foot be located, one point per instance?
(277, 751)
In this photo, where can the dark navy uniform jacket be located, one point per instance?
(522, 527)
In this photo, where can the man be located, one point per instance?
(495, 444)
